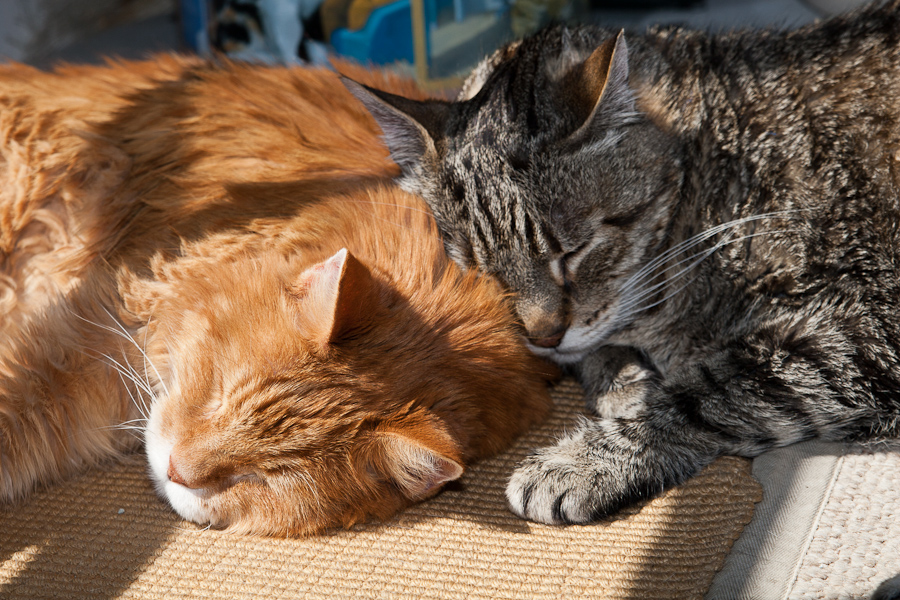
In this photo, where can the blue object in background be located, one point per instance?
(385, 39)
(194, 17)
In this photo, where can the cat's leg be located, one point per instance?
(615, 380)
(63, 406)
(743, 400)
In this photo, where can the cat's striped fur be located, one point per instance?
(706, 226)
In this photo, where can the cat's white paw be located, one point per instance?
(557, 485)
(605, 465)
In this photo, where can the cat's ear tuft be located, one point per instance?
(335, 296)
(410, 127)
(418, 465)
(599, 92)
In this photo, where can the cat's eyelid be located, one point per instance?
(214, 406)
(557, 270)
(561, 269)
(566, 266)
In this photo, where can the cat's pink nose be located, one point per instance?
(551, 341)
(175, 476)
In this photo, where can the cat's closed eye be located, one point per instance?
(564, 267)
(267, 313)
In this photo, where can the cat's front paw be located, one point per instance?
(604, 466)
(625, 395)
(578, 480)
(556, 485)
(616, 381)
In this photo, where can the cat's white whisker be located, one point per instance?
(144, 386)
(679, 248)
(130, 374)
(628, 306)
(650, 267)
(131, 421)
(195, 529)
(699, 238)
(141, 406)
(124, 333)
(638, 277)
(643, 292)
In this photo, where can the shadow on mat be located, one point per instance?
(90, 537)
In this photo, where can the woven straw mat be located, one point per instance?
(106, 534)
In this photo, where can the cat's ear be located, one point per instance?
(419, 460)
(410, 127)
(418, 455)
(335, 296)
(598, 90)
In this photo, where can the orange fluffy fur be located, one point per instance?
(216, 257)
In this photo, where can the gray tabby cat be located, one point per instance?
(706, 227)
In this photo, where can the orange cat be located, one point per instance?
(215, 257)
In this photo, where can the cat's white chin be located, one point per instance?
(185, 501)
(575, 345)
(557, 355)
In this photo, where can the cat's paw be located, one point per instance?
(578, 480)
(625, 395)
(616, 381)
(604, 466)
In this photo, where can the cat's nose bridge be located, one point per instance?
(546, 325)
(196, 476)
(175, 476)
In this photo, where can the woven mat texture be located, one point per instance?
(854, 544)
(107, 535)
